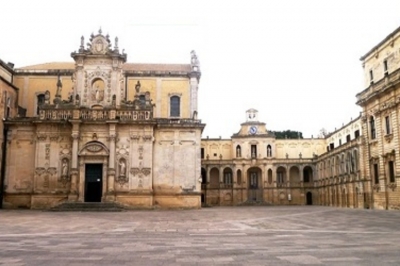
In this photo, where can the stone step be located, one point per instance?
(89, 207)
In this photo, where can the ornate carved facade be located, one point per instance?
(102, 130)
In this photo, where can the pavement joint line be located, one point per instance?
(279, 216)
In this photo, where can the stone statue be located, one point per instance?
(64, 170)
(194, 62)
(122, 168)
(47, 97)
(77, 99)
(137, 87)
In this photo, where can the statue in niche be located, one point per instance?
(64, 170)
(137, 87)
(114, 100)
(98, 90)
(47, 97)
(77, 99)
(122, 168)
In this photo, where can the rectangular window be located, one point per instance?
(331, 146)
(372, 127)
(175, 106)
(385, 67)
(202, 153)
(371, 76)
(387, 123)
(348, 138)
(391, 172)
(340, 142)
(376, 173)
(357, 133)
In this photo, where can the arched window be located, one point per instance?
(239, 177)
(39, 101)
(175, 106)
(227, 176)
(238, 151)
(269, 151)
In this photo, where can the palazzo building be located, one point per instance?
(99, 129)
(356, 166)
(253, 167)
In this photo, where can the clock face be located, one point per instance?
(253, 130)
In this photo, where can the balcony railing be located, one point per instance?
(95, 114)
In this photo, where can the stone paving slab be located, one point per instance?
(268, 235)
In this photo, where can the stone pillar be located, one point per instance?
(194, 84)
(73, 196)
(111, 163)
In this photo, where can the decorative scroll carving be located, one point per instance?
(135, 137)
(147, 137)
(94, 148)
(140, 150)
(47, 150)
(41, 137)
(137, 171)
(392, 186)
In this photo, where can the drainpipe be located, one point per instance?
(3, 164)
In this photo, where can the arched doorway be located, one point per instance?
(239, 177)
(228, 179)
(281, 176)
(214, 178)
(308, 174)
(254, 187)
(309, 198)
(294, 176)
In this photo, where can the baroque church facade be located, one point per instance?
(100, 129)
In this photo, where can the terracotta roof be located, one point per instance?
(50, 66)
(126, 66)
(157, 67)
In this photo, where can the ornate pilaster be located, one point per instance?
(73, 194)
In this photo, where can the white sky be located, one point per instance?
(295, 61)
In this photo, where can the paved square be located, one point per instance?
(211, 236)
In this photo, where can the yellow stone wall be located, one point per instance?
(380, 100)
(215, 148)
(388, 51)
(147, 85)
(178, 87)
(31, 86)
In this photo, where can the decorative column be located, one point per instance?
(111, 164)
(73, 195)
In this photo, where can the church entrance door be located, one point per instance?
(93, 182)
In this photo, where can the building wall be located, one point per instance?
(380, 121)
(145, 157)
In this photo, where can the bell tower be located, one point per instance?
(98, 75)
(252, 115)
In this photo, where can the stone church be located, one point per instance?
(99, 129)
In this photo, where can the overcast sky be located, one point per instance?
(295, 61)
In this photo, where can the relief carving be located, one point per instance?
(47, 150)
(94, 148)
